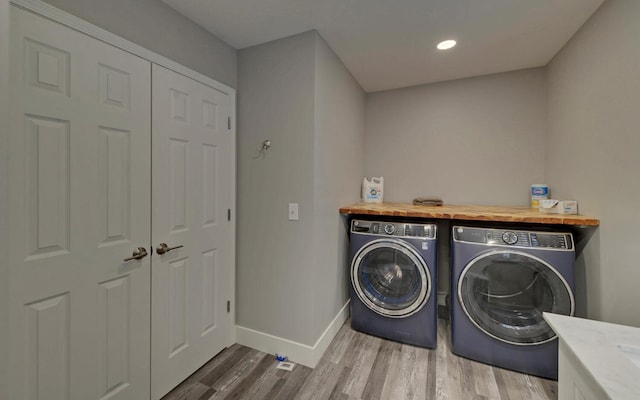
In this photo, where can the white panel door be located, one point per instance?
(191, 195)
(80, 204)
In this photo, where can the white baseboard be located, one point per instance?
(297, 352)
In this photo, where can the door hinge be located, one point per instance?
(228, 306)
(229, 123)
(228, 214)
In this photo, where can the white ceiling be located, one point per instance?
(388, 44)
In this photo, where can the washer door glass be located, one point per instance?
(505, 293)
(390, 278)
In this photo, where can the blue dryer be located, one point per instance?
(502, 282)
(393, 281)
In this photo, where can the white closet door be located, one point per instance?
(191, 195)
(79, 200)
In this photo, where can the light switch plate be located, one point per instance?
(293, 211)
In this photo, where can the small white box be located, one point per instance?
(569, 207)
(551, 206)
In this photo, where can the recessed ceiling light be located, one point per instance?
(446, 44)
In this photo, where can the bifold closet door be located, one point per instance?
(80, 205)
(191, 197)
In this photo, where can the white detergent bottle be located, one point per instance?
(372, 190)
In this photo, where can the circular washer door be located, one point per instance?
(391, 278)
(504, 293)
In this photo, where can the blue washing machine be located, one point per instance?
(393, 280)
(502, 282)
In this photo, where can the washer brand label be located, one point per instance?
(425, 245)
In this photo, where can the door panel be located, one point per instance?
(47, 369)
(391, 278)
(79, 199)
(47, 180)
(209, 279)
(504, 293)
(114, 305)
(191, 195)
(114, 185)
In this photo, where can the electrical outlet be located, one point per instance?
(293, 211)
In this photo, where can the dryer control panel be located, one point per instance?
(506, 237)
(395, 229)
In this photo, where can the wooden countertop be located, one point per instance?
(469, 213)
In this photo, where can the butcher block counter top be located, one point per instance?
(469, 213)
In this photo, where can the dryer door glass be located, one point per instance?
(505, 293)
(390, 278)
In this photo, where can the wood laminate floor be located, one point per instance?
(360, 366)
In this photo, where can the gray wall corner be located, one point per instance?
(295, 92)
(338, 169)
(593, 96)
(155, 26)
(276, 102)
(4, 200)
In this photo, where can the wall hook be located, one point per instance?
(266, 144)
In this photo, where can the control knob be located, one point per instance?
(389, 229)
(509, 238)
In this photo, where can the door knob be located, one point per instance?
(138, 254)
(164, 248)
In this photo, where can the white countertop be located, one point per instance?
(595, 344)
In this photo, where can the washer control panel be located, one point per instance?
(395, 229)
(505, 237)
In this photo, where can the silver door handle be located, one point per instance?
(138, 254)
(164, 248)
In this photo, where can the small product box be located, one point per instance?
(551, 206)
(569, 207)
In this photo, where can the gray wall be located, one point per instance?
(273, 270)
(338, 171)
(469, 141)
(4, 235)
(157, 27)
(295, 93)
(593, 151)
